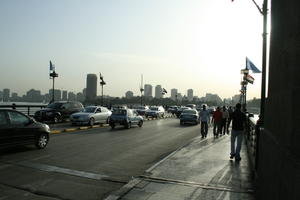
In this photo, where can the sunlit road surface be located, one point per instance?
(89, 164)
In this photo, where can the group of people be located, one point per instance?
(221, 119)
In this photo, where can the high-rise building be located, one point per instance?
(128, 94)
(6, 94)
(33, 96)
(158, 91)
(174, 94)
(148, 90)
(1, 95)
(14, 97)
(65, 95)
(57, 94)
(91, 87)
(190, 94)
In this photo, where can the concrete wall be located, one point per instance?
(279, 147)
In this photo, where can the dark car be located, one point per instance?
(18, 129)
(125, 117)
(58, 111)
(180, 110)
(189, 116)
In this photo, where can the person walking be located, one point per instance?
(204, 118)
(225, 117)
(238, 119)
(217, 119)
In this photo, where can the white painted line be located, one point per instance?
(50, 168)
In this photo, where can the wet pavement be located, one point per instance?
(200, 170)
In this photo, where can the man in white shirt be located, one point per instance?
(204, 118)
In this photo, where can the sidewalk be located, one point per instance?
(200, 170)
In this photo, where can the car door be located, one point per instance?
(6, 135)
(98, 115)
(23, 132)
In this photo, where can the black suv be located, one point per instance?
(58, 111)
(19, 129)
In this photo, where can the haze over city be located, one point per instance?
(174, 43)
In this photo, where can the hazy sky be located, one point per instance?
(198, 44)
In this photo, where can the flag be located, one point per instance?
(251, 66)
(51, 66)
(164, 90)
(249, 79)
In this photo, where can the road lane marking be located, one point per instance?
(72, 172)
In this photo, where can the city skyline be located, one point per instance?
(183, 45)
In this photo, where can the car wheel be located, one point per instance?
(181, 123)
(42, 141)
(140, 123)
(56, 119)
(92, 122)
(128, 125)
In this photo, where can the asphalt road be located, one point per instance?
(89, 164)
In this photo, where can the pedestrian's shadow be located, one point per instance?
(229, 183)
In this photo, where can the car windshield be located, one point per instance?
(55, 105)
(154, 108)
(192, 112)
(89, 110)
(141, 108)
(119, 112)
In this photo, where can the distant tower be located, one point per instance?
(91, 87)
(6, 95)
(173, 94)
(148, 90)
(190, 94)
(158, 91)
(64, 95)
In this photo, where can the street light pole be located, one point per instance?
(264, 61)
(264, 12)
(142, 90)
(53, 75)
(102, 83)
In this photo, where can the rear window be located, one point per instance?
(55, 105)
(193, 112)
(154, 108)
(119, 112)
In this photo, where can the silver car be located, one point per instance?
(91, 115)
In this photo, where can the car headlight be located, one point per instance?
(47, 128)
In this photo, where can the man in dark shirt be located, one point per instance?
(238, 119)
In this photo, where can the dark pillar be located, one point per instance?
(278, 175)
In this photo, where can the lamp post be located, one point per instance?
(264, 12)
(102, 83)
(141, 90)
(53, 75)
(244, 84)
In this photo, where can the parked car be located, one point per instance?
(189, 116)
(141, 109)
(155, 111)
(192, 106)
(91, 115)
(125, 117)
(58, 111)
(180, 110)
(18, 129)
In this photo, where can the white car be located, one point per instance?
(155, 112)
(91, 115)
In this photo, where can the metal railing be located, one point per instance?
(26, 109)
(252, 138)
